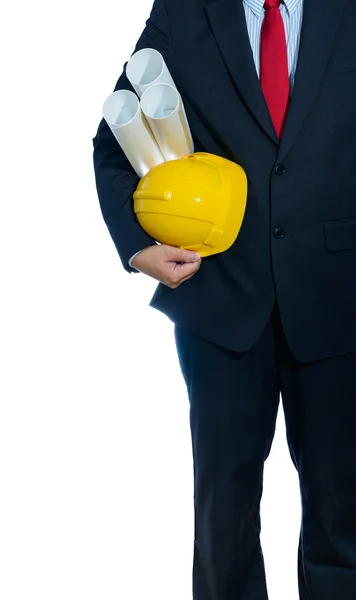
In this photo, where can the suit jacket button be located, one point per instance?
(279, 233)
(280, 169)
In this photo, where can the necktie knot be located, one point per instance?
(272, 4)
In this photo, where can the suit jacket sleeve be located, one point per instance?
(115, 178)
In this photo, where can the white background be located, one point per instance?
(96, 495)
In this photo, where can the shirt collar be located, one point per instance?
(257, 6)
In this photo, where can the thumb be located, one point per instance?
(182, 255)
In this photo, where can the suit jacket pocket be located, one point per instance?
(340, 235)
(343, 64)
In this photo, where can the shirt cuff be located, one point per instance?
(131, 259)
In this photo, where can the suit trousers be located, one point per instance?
(234, 400)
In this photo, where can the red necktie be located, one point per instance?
(274, 64)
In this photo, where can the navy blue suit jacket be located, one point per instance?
(304, 185)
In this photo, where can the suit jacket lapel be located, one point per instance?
(321, 19)
(228, 23)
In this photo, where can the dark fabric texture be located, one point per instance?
(234, 400)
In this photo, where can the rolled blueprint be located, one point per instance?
(122, 112)
(145, 68)
(163, 108)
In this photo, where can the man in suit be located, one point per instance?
(271, 86)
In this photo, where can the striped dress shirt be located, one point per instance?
(292, 13)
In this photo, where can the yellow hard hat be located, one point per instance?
(196, 202)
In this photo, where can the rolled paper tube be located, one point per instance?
(163, 108)
(145, 68)
(122, 112)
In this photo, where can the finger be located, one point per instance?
(181, 255)
(182, 270)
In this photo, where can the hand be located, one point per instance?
(168, 264)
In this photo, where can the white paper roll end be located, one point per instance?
(145, 68)
(122, 113)
(163, 108)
